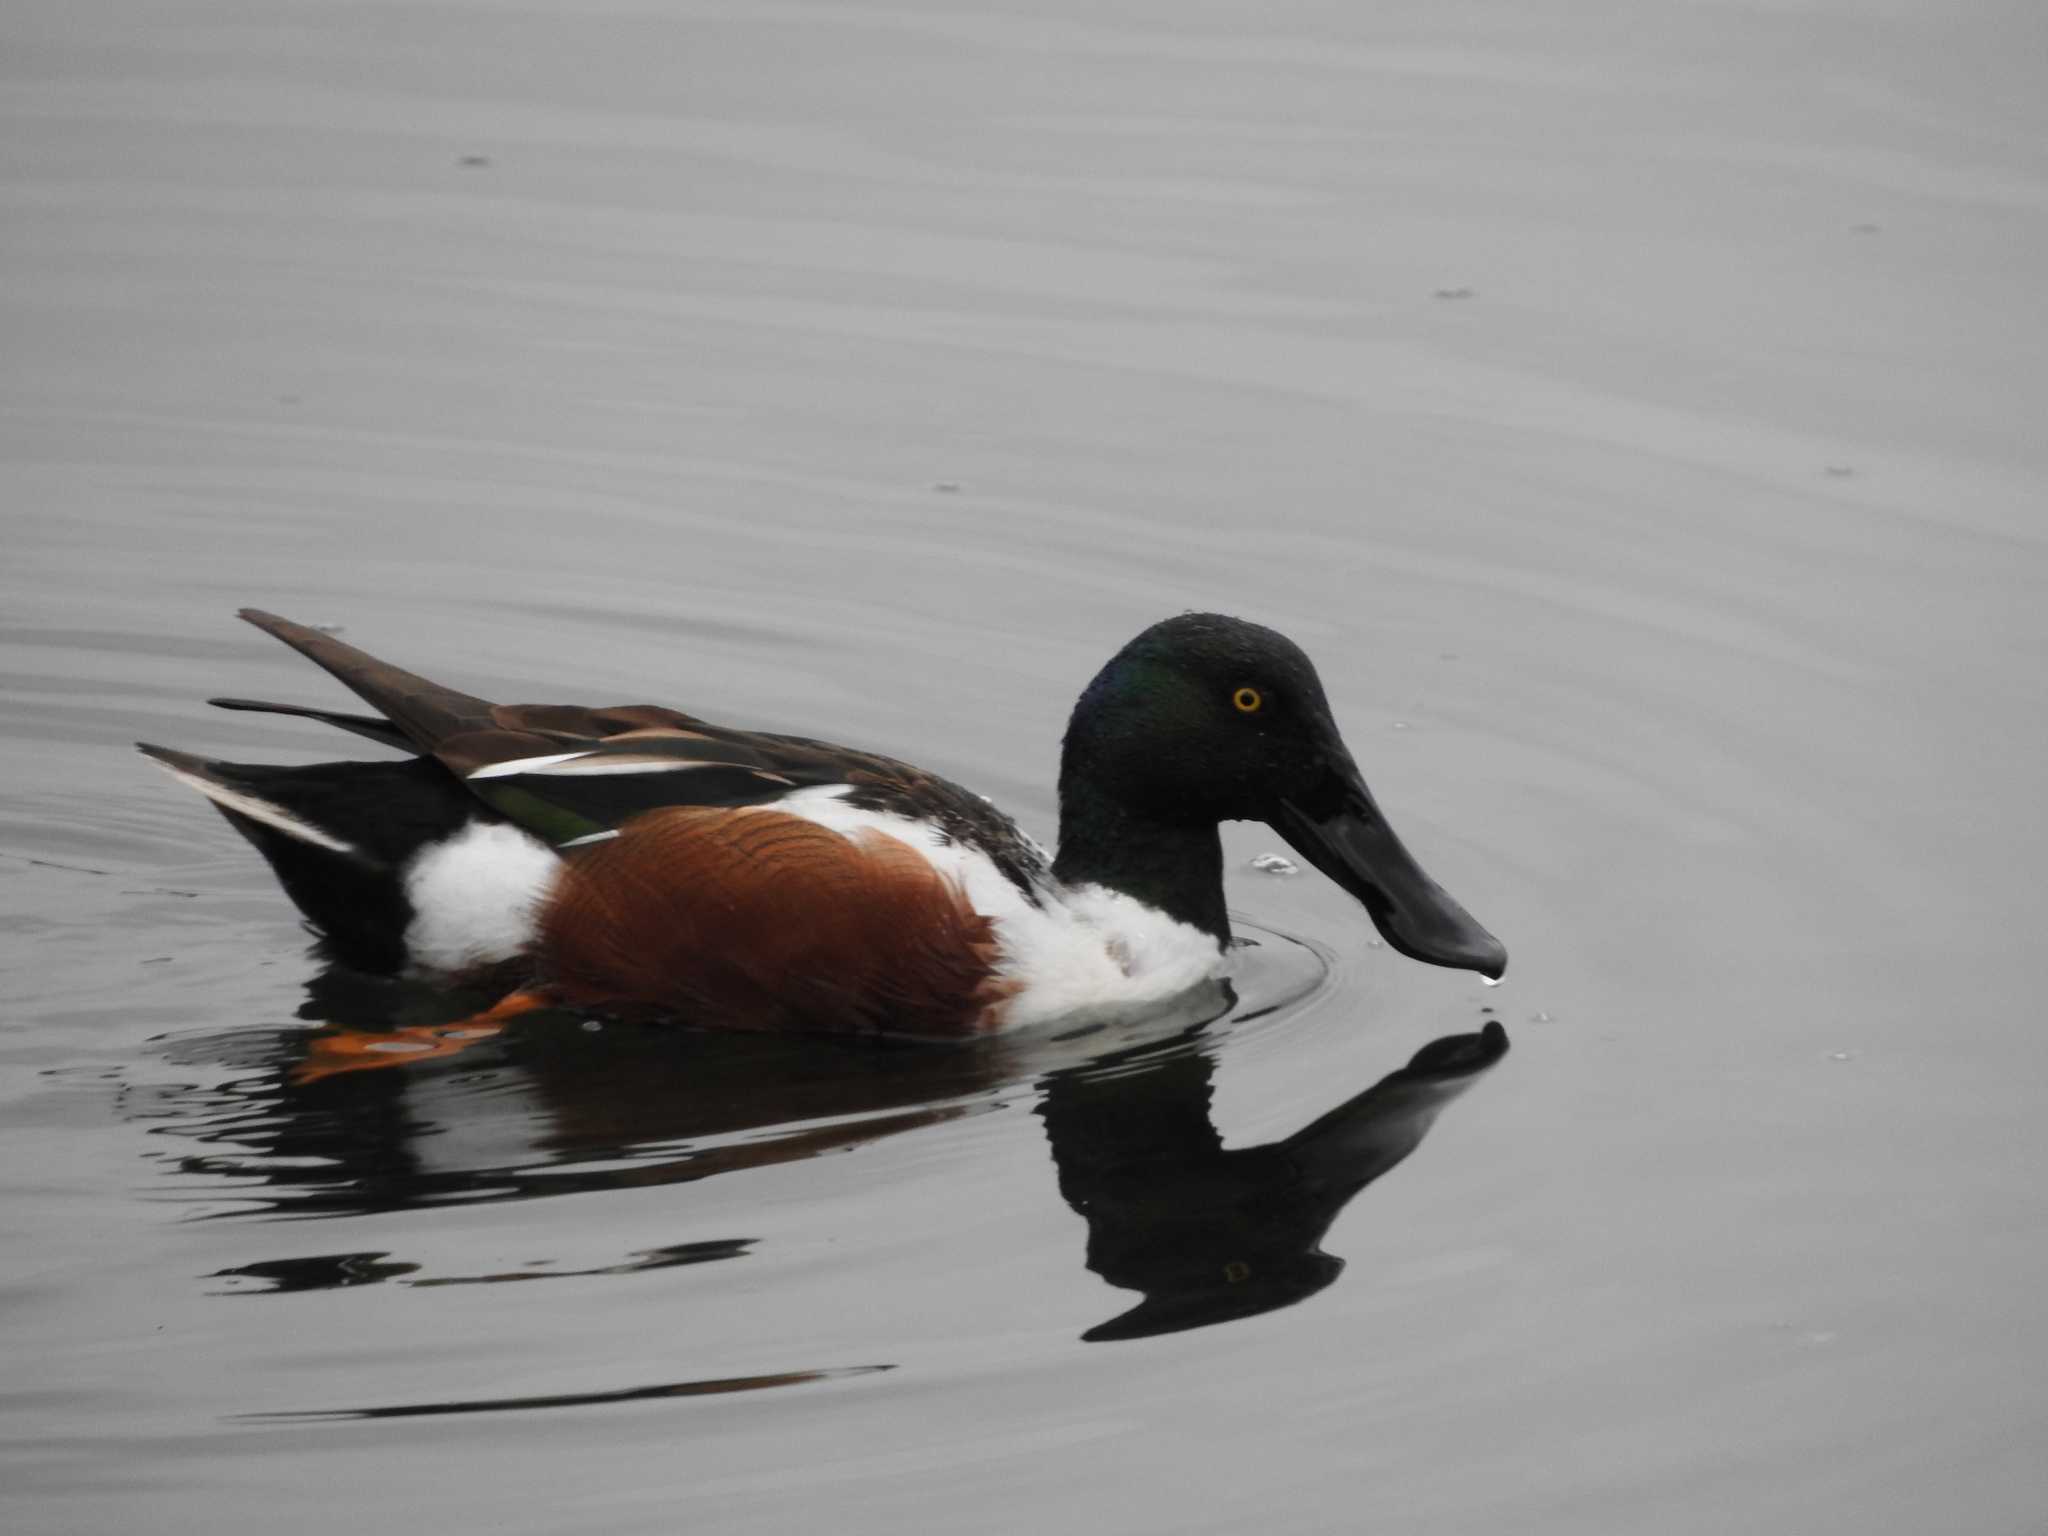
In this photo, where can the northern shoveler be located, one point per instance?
(635, 859)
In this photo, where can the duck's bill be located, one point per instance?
(1342, 833)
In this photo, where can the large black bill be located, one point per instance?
(1342, 833)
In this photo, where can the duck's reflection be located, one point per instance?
(554, 1105)
(549, 1105)
(1209, 1235)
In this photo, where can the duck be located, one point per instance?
(635, 860)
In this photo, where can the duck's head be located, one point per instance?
(1203, 719)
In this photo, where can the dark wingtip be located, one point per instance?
(170, 757)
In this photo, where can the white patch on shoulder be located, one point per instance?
(476, 897)
(1085, 953)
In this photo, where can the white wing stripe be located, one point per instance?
(590, 765)
(525, 765)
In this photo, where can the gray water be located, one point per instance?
(1636, 412)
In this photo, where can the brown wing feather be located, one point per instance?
(755, 919)
(426, 711)
(466, 733)
(580, 721)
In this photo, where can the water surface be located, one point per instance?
(1639, 424)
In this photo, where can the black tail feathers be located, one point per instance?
(339, 836)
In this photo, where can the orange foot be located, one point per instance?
(355, 1050)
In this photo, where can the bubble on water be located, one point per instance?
(1275, 864)
(1539, 1017)
(1841, 1055)
(1491, 981)
(1375, 944)
(592, 1026)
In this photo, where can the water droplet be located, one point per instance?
(1539, 1018)
(1491, 981)
(592, 1026)
(1375, 944)
(1841, 1055)
(1275, 864)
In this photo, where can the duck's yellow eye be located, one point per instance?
(1247, 700)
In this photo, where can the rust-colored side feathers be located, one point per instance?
(756, 919)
